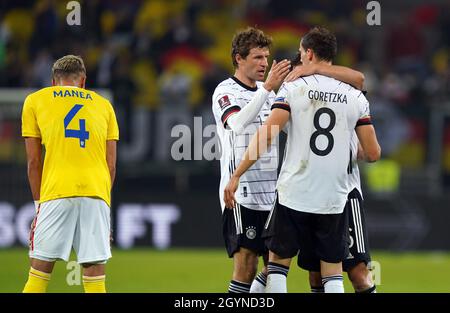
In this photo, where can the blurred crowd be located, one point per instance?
(160, 55)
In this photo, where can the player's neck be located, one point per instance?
(244, 79)
(68, 83)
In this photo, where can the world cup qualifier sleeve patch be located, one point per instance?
(224, 102)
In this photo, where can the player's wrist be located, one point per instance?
(268, 86)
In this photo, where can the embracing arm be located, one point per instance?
(342, 73)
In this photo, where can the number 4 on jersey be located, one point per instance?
(81, 133)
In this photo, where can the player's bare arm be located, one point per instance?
(239, 120)
(360, 156)
(369, 142)
(111, 157)
(258, 145)
(342, 73)
(33, 149)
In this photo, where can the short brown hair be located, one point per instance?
(68, 65)
(322, 42)
(245, 40)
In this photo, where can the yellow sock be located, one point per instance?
(37, 281)
(94, 284)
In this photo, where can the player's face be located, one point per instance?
(255, 64)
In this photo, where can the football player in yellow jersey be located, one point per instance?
(71, 185)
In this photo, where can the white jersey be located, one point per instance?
(353, 169)
(257, 186)
(324, 114)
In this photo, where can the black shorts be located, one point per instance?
(242, 227)
(314, 237)
(359, 243)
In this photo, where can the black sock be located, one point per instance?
(262, 278)
(275, 268)
(319, 289)
(369, 290)
(238, 287)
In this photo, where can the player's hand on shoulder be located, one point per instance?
(301, 70)
(277, 74)
(230, 189)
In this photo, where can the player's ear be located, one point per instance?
(239, 58)
(53, 82)
(309, 54)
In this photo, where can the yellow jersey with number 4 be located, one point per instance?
(74, 125)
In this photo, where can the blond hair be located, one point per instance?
(68, 65)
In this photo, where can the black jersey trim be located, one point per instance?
(228, 112)
(244, 85)
(281, 106)
(364, 121)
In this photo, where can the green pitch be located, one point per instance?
(196, 270)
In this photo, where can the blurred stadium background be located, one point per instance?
(159, 62)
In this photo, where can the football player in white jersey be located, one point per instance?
(358, 260)
(240, 105)
(320, 114)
